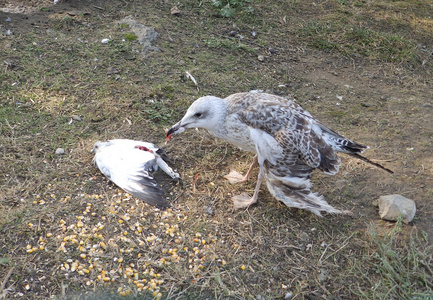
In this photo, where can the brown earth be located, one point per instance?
(265, 252)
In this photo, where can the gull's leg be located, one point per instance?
(243, 200)
(235, 177)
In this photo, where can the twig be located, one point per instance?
(4, 282)
(345, 243)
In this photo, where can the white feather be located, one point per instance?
(129, 165)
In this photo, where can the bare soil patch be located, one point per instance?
(362, 68)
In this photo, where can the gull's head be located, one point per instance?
(206, 112)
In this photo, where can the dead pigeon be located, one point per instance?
(129, 164)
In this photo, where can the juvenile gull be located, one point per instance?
(289, 144)
(129, 164)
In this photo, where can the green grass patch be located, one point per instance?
(227, 43)
(378, 45)
(399, 268)
(130, 37)
(229, 8)
(359, 41)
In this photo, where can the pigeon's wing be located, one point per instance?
(143, 186)
(129, 168)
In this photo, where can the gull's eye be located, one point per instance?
(198, 115)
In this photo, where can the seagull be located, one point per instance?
(288, 142)
(129, 164)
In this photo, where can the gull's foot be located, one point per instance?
(235, 177)
(242, 201)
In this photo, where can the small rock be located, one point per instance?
(76, 118)
(272, 51)
(209, 210)
(112, 70)
(323, 275)
(105, 41)
(261, 58)
(304, 236)
(175, 11)
(60, 151)
(392, 207)
(145, 35)
(288, 296)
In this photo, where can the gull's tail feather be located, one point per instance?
(295, 192)
(365, 159)
(340, 143)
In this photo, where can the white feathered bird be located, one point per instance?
(289, 144)
(129, 164)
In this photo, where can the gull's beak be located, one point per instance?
(177, 128)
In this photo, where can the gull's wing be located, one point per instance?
(291, 127)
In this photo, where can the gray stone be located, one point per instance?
(303, 236)
(145, 35)
(393, 207)
(60, 151)
(209, 210)
(76, 117)
(288, 296)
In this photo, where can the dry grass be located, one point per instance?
(67, 233)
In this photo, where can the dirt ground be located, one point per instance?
(54, 67)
